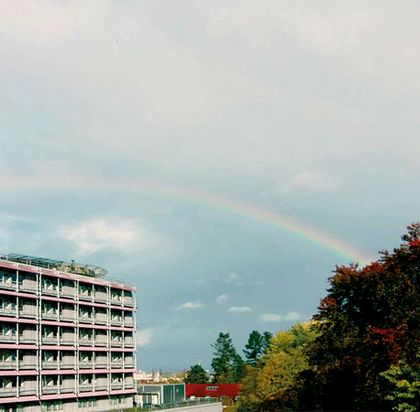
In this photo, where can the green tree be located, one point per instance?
(369, 322)
(272, 387)
(227, 364)
(256, 346)
(196, 374)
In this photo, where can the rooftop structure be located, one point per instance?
(67, 337)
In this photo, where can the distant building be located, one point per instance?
(67, 337)
(160, 395)
(147, 377)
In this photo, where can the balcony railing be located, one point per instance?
(67, 389)
(101, 364)
(8, 311)
(117, 343)
(28, 287)
(85, 364)
(86, 319)
(52, 340)
(116, 300)
(8, 338)
(100, 387)
(28, 339)
(67, 317)
(128, 301)
(27, 391)
(49, 315)
(100, 342)
(129, 343)
(101, 319)
(116, 321)
(67, 364)
(101, 297)
(129, 364)
(47, 389)
(27, 364)
(85, 341)
(128, 322)
(8, 392)
(116, 385)
(84, 296)
(67, 341)
(85, 387)
(28, 313)
(116, 364)
(8, 284)
(8, 365)
(68, 293)
(129, 385)
(49, 364)
(49, 290)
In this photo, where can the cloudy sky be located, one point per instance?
(221, 156)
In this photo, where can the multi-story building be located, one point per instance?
(67, 337)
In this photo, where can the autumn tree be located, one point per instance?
(369, 322)
(271, 387)
(196, 374)
(227, 364)
(256, 346)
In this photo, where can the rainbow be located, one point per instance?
(260, 214)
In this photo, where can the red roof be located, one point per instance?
(215, 390)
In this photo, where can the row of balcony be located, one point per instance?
(30, 386)
(68, 315)
(65, 288)
(68, 364)
(117, 342)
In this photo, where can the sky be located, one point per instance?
(220, 156)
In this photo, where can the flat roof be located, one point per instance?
(69, 267)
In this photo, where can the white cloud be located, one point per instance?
(240, 309)
(96, 234)
(222, 299)
(274, 317)
(190, 305)
(144, 337)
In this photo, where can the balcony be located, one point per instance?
(128, 301)
(28, 313)
(86, 318)
(101, 319)
(101, 297)
(85, 296)
(101, 342)
(28, 339)
(116, 321)
(49, 364)
(28, 286)
(8, 365)
(49, 340)
(67, 316)
(86, 364)
(116, 299)
(8, 311)
(27, 391)
(8, 284)
(116, 385)
(101, 364)
(67, 340)
(49, 290)
(128, 342)
(85, 387)
(129, 363)
(50, 315)
(101, 387)
(49, 389)
(85, 341)
(8, 392)
(128, 322)
(8, 338)
(28, 364)
(129, 385)
(117, 363)
(116, 343)
(67, 389)
(67, 364)
(68, 292)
